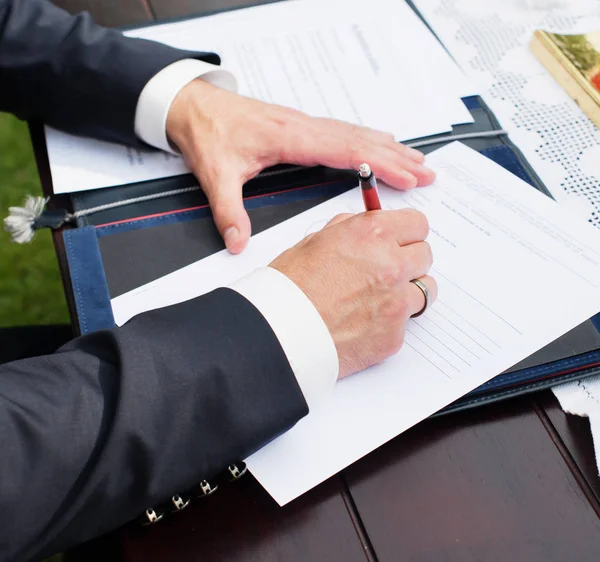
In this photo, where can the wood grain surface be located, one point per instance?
(573, 433)
(487, 484)
(241, 522)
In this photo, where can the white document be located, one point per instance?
(382, 69)
(515, 271)
(78, 164)
(424, 61)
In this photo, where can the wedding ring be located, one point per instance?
(425, 292)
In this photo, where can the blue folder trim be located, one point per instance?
(533, 373)
(504, 156)
(473, 399)
(472, 102)
(334, 188)
(88, 280)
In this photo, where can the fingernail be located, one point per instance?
(430, 174)
(411, 181)
(230, 236)
(426, 177)
(416, 155)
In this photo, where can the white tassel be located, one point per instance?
(20, 220)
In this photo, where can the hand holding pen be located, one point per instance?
(370, 195)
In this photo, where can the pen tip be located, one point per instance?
(364, 170)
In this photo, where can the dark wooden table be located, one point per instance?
(514, 481)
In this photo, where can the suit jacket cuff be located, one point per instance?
(301, 331)
(160, 91)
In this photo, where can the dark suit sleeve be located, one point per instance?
(73, 74)
(118, 421)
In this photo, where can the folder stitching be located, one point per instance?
(75, 283)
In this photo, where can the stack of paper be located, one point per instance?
(382, 69)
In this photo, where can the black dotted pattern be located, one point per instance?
(564, 130)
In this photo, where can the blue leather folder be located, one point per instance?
(112, 251)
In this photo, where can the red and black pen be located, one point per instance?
(368, 186)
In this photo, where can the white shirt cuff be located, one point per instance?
(158, 94)
(301, 331)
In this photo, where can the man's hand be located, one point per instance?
(357, 273)
(227, 139)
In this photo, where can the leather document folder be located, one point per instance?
(121, 247)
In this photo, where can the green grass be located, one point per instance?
(30, 287)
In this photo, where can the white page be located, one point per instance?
(423, 60)
(419, 60)
(515, 271)
(330, 66)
